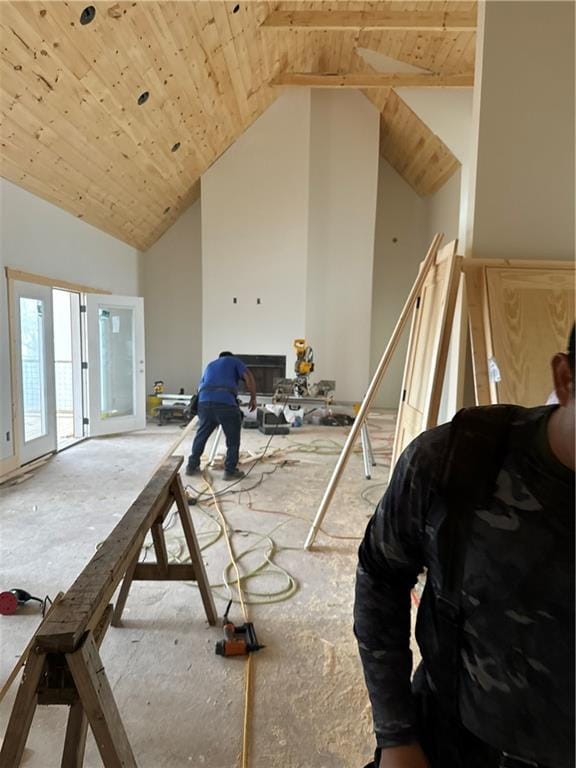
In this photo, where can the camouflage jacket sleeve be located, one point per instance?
(390, 559)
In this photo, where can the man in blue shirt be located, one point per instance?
(218, 406)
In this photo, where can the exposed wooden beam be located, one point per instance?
(431, 21)
(371, 80)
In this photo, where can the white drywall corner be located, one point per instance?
(342, 219)
(254, 235)
(172, 289)
(400, 246)
(444, 209)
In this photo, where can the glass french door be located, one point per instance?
(34, 347)
(116, 375)
(110, 342)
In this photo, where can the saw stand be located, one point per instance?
(367, 452)
(214, 448)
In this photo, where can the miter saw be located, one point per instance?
(300, 386)
(303, 367)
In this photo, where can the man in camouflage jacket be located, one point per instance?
(496, 630)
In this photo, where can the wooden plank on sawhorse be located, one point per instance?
(84, 602)
(64, 665)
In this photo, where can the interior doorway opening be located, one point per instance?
(67, 367)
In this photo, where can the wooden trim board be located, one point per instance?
(8, 466)
(14, 374)
(373, 80)
(432, 20)
(430, 333)
(475, 280)
(25, 469)
(30, 277)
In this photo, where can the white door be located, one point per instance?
(36, 412)
(116, 380)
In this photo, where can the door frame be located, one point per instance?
(13, 463)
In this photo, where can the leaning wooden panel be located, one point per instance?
(428, 349)
(475, 278)
(531, 313)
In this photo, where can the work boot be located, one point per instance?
(234, 474)
(190, 470)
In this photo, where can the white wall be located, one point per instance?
(172, 290)
(448, 112)
(412, 221)
(522, 200)
(41, 238)
(343, 192)
(444, 210)
(288, 218)
(400, 245)
(255, 233)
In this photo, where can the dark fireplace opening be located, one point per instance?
(266, 369)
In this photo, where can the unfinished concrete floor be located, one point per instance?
(181, 704)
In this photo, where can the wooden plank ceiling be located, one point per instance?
(77, 128)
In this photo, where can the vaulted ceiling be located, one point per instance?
(115, 120)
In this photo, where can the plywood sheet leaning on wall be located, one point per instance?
(520, 315)
(428, 349)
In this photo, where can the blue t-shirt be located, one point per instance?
(224, 373)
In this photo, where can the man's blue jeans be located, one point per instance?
(210, 416)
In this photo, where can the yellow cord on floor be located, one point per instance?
(247, 706)
(248, 667)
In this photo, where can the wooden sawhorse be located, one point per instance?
(64, 665)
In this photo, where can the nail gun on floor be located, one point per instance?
(238, 641)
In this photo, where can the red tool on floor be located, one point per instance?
(13, 599)
(238, 641)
